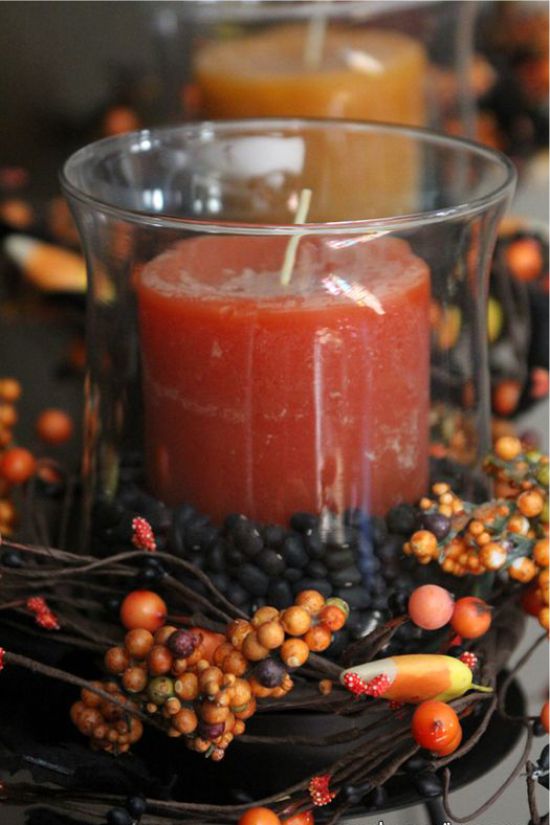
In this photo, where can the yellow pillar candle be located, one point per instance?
(357, 74)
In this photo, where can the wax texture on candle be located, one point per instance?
(264, 399)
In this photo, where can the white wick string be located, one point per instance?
(292, 246)
(315, 41)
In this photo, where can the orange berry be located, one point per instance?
(159, 660)
(507, 447)
(134, 679)
(238, 631)
(54, 426)
(116, 660)
(89, 698)
(10, 389)
(186, 687)
(8, 415)
(544, 618)
(530, 503)
(294, 652)
(143, 609)
(296, 620)
(541, 552)
(518, 524)
(423, 543)
(493, 556)
(545, 717)
(303, 818)
(213, 713)
(265, 614)
(333, 617)
(185, 720)
(471, 617)
(522, 570)
(524, 259)
(259, 816)
(253, 650)
(17, 465)
(162, 635)
(235, 663)
(246, 712)
(310, 600)
(435, 725)
(138, 642)
(271, 634)
(318, 638)
(531, 600)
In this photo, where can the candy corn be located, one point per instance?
(413, 678)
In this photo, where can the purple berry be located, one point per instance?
(270, 673)
(438, 524)
(182, 643)
(211, 732)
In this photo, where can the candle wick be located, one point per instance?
(315, 41)
(292, 246)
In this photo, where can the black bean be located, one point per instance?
(402, 519)
(234, 557)
(220, 580)
(198, 560)
(391, 549)
(314, 545)
(428, 784)
(236, 594)
(324, 587)
(253, 580)
(292, 574)
(293, 551)
(339, 559)
(316, 569)
(361, 623)
(215, 558)
(340, 640)
(416, 764)
(357, 597)
(379, 530)
(273, 535)
(398, 602)
(199, 534)
(136, 805)
(270, 562)
(304, 522)
(256, 603)
(456, 650)
(233, 519)
(11, 558)
(346, 577)
(119, 816)
(280, 594)
(247, 538)
(376, 799)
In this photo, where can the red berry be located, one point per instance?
(259, 816)
(431, 607)
(54, 426)
(471, 617)
(142, 535)
(17, 465)
(143, 609)
(303, 818)
(435, 725)
(319, 790)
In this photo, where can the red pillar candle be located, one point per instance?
(265, 399)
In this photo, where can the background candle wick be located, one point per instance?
(315, 41)
(292, 246)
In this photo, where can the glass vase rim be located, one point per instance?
(399, 222)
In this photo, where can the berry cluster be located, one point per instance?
(206, 685)
(44, 615)
(109, 727)
(510, 533)
(13, 465)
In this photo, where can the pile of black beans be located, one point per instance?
(357, 557)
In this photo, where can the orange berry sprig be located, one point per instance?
(107, 725)
(206, 685)
(506, 534)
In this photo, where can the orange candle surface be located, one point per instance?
(265, 399)
(361, 74)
